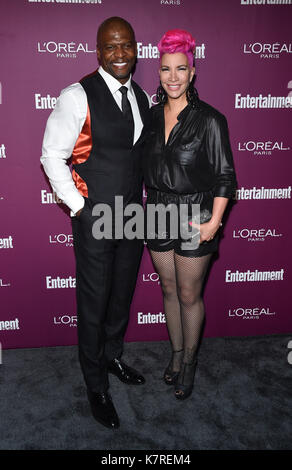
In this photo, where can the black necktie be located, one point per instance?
(126, 107)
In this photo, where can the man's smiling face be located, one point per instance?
(117, 51)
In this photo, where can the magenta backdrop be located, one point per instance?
(244, 48)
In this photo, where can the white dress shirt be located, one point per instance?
(62, 131)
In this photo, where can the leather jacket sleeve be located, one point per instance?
(220, 156)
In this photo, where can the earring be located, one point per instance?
(161, 94)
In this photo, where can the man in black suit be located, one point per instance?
(98, 122)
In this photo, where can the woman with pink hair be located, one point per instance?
(187, 162)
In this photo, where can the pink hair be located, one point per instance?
(177, 40)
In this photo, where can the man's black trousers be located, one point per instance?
(106, 274)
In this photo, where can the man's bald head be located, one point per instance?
(114, 21)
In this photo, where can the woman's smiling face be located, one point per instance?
(175, 74)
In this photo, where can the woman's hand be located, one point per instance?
(208, 230)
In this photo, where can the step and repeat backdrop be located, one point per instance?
(243, 67)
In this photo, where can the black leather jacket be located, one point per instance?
(197, 156)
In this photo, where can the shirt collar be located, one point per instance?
(113, 84)
(184, 112)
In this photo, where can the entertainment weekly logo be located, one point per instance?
(150, 318)
(148, 51)
(253, 276)
(6, 243)
(262, 102)
(60, 282)
(268, 50)
(2, 151)
(250, 313)
(44, 102)
(256, 235)
(49, 198)
(258, 148)
(8, 325)
(263, 193)
(266, 2)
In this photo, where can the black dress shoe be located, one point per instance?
(103, 409)
(125, 373)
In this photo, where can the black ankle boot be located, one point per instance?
(185, 381)
(170, 375)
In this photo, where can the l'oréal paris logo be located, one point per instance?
(67, 320)
(61, 239)
(151, 277)
(170, 2)
(63, 50)
(253, 313)
(262, 148)
(268, 50)
(4, 283)
(256, 234)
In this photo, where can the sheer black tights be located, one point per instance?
(181, 281)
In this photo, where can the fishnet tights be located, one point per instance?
(181, 281)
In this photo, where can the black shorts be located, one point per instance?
(166, 234)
